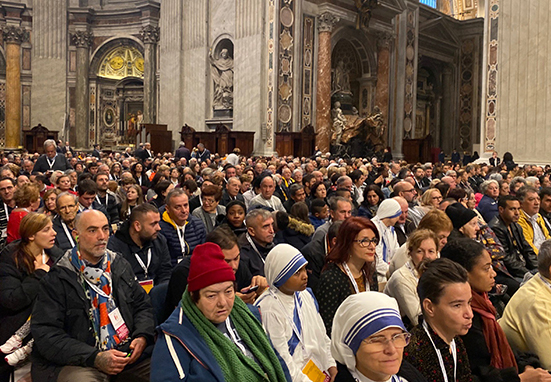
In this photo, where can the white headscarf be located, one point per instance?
(389, 209)
(282, 262)
(360, 316)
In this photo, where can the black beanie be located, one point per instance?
(459, 215)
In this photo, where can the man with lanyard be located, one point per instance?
(258, 240)
(183, 232)
(91, 320)
(87, 191)
(266, 197)
(50, 160)
(7, 190)
(106, 198)
(64, 222)
(139, 242)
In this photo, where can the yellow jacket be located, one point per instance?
(528, 230)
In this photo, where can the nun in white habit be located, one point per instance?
(369, 339)
(388, 213)
(290, 316)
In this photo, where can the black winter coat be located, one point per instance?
(62, 240)
(61, 327)
(160, 267)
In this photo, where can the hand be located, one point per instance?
(534, 375)
(38, 264)
(332, 373)
(261, 282)
(137, 346)
(248, 298)
(111, 362)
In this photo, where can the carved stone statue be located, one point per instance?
(222, 75)
(376, 120)
(364, 12)
(339, 123)
(341, 79)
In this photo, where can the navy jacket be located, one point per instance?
(191, 352)
(488, 208)
(41, 164)
(195, 234)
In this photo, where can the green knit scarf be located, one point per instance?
(234, 364)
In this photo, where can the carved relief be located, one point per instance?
(307, 69)
(286, 59)
(364, 8)
(150, 34)
(492, 74)
(222, 74)
(326, 22)
(410, 74)
(82, 39)
(15, 35)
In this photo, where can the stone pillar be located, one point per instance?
(82, 40)
(383, 68)
(150, 36)
(13, 36)
(326, 22)
(447, 126)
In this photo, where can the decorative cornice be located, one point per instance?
(326, 22)
(15, 35)
(150, 34)
(82, 39)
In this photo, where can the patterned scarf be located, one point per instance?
(234, 364)
(97, 285)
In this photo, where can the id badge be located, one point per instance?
(147, 285)
(4, 233)
(118, 323)
(314, 373)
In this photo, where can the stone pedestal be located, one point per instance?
(13, 36)
(150, 37)
(383, 67)
(82, 40)
(326, 22)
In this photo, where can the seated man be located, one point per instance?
(227, 241)
(296, 194)
(340, 209)
(533, 225)
(139, 242)
(519, 255)
(87, 191)
(91, 319)
(527, 315)
(258, 241)
(232, 191)
(64, 222)
(183, 232)
(106, 198)
(266, 197)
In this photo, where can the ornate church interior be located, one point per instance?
(417, 76)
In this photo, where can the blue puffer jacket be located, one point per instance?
(195, 234)
(181, 354)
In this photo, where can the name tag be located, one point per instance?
(118, 323)
(314, 373)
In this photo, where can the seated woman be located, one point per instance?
(161, 189)
(210, 206)
(27, 199)
(22, 264)
(422, 246)
(349, 268)
(290, 315)
(134, 197)
(235, 217)
(365, 326)
(50, 198)
(372, 198)
(430, 199)
(490, 356)
(435, 349)
(211, 335)
(299, 230)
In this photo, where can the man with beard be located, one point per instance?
(139, 242)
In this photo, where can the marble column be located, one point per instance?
(383, 68)
(150, 36)
(13, 36)
(326, 22)
(82, 40)
(447, 137)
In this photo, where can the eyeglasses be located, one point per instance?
(412, 190)
(436, 198)
(379, 343)
(364, 243)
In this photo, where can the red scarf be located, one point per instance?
(498, 347)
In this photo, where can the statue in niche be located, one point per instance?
(376, 121)
(222, 75)
(364, 8)
(339, 123)
(341, 79)
(131, 129)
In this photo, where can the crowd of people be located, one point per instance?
(143, 266)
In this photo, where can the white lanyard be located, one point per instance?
(98, 290)
(181, 237)
(353, 280)
(106, 200)
(234, 338)
(68, 234)
(144, 267)
(51, 164)
(254, 247)
(408, 266)
(43, 257)
(6, 211)
(439, 354)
